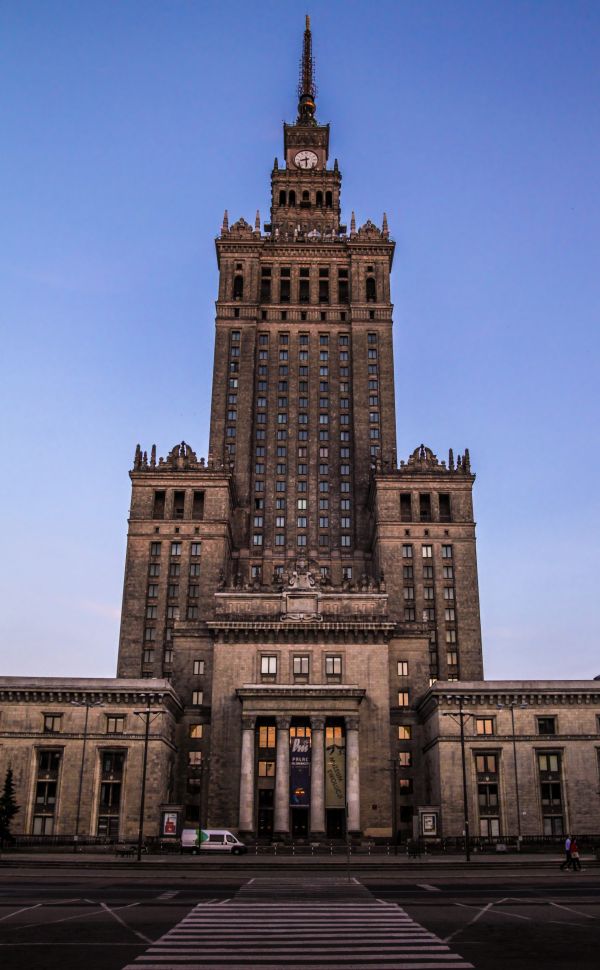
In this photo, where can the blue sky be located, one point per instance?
(128, 127)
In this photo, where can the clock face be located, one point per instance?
(305, 159)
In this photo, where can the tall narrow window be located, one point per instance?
(178, 505)
(238, 287)
(445, 512)
(371, 290)
(198, 506)
(265, 283)
(425, 507)
(405, 507)
(343, 285)
(158, 511)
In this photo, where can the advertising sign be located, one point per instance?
(335, 776)
(299, 772)
(429, 823)
(169, 823)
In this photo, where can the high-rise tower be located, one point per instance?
(303, 388)
(300, 587)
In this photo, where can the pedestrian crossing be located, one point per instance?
(294, 924)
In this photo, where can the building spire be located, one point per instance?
(307, 88)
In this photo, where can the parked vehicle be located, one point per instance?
(211, 840)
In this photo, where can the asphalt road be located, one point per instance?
(51, 920)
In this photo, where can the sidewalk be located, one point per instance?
(107, 860)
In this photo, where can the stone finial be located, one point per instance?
(225, 226)
(145, 460)
(153, 457)
(467, 461)
(257, 221)
(275, 165)
(353, 224)
(384, 227)
(336, 167)
(451, 460)
(137, 459)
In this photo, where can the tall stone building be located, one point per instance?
(300, 629)
(299, 588)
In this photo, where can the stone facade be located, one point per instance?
(532, 756)
(76, 749)
(290, 600)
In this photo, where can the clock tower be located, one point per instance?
(305, 195)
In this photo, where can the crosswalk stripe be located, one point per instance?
(327, 924)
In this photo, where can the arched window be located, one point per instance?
(292, 198)
(319, 200)
(306, 199)
(371, 290)
(282, 198)
(238, 287)
(328, 200)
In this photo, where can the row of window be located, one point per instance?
(175, 549)
(419, 508)
(318, 198)
(180, 504)
(109, 795)
(300, 665)
(426, 551)
(302, 288)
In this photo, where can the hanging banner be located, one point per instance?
(299, 772)
(335, 776)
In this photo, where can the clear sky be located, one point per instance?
(128, 126)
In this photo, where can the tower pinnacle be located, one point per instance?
(307, 88)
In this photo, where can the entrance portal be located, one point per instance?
(265, 813)
(300, 823)
(336, 823)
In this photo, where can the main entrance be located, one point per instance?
(300, 823)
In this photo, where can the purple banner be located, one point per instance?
(300, 772)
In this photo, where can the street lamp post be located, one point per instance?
(462, 714)
(394, 773)
(147, 722)
(512, 706)
(87, 704)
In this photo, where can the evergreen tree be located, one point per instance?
(8, 806)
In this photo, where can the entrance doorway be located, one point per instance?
(265, 813)
(300, 823)
(336, 823)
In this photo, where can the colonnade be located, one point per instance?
(282, 775)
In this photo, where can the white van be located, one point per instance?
(211, 840)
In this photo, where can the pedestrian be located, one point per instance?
(574, 851)
(566, 864)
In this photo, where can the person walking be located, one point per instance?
(566, 864)
(574, 852)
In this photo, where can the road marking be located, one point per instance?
(499, 912)
(168, 895)
(447, 939)
(69, 919)
(17, 911)
(141, 936)
(430, 889)
(313, 928)
(570, 909)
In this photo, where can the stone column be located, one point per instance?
(352, 775)
(282, 778)
(247, 775)
(317, 776)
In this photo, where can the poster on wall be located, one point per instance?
(170, 823)
(335, 776)
(299, 772)
(429, 823)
